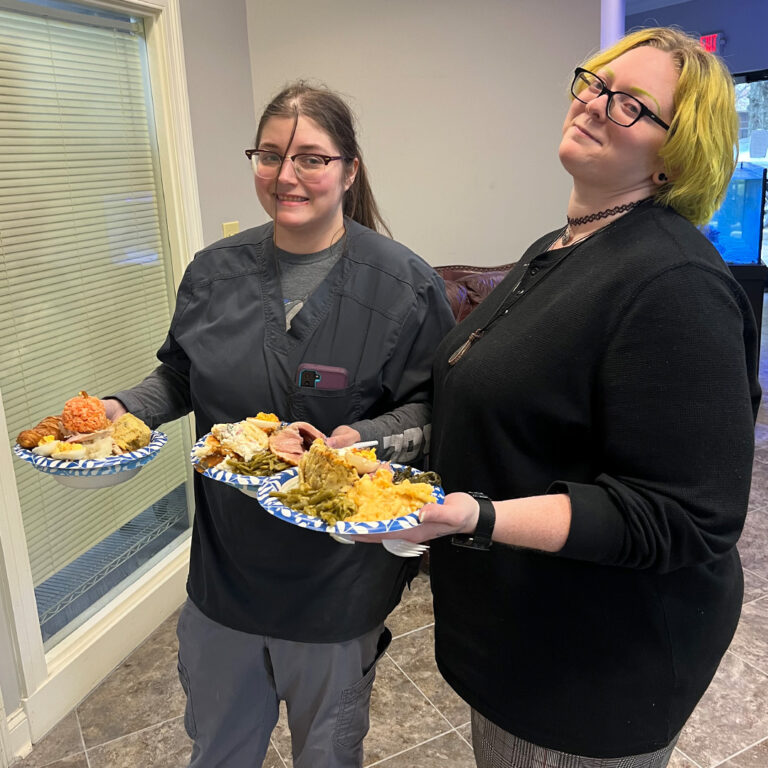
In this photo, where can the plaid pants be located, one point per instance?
(495, 748)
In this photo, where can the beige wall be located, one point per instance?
(221, 108)
(460, 107)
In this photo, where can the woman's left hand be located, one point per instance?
(457, 514)
(342, 437)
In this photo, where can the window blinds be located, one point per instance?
(84, 278)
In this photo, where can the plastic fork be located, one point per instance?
(364, 444)
(341, 538)
(404, 548)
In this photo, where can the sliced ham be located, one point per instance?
(293, 440)
(308, 433)
(85, 437)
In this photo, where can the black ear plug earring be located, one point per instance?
(662, 177)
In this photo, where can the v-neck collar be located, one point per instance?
(315, 308)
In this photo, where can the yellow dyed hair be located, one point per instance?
(700, 150)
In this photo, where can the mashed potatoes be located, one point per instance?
(377, 498)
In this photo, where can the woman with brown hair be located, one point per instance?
(276, 612)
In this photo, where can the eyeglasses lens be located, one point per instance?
(622, 108)
(266, 165)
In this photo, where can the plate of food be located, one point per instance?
(341, 493)
(242, 453)
(81, 448)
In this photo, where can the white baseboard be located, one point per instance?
(19, 740)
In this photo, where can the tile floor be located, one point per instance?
(134, 718)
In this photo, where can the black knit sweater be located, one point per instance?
(625, 375)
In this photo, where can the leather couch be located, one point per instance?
(466, 286)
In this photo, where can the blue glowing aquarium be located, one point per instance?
(736, 229)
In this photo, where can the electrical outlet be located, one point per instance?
(230, 228)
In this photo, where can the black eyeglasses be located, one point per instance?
(622, 109)
(308, 167)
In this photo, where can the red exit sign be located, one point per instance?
(712, 42)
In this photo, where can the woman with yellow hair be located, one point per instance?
(604, 396)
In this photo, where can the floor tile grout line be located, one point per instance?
(65, 757)
(749, 602)
(461, 735)
(82, 740)
(133, 733)
(432, 703)
(274, 746)
(55, 761)
(44, 765)
(411, 631)
(755, 574)
(757, 669)
(405, 751)
(741, 751)
(688, 757)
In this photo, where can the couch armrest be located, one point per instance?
(466, 286)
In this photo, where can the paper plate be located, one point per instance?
(290, 477)
(248, 484)
(95, 473)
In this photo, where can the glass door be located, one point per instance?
(84, 293)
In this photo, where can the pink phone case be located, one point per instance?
(317, 376)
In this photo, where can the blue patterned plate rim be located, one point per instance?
(278, 509)
(107, 466)
(229, 478)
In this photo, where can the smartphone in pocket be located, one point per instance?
(316, 376)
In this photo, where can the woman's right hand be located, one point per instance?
(114, 408)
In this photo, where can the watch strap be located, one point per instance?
(486, 519)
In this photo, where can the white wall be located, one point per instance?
(221, 109)
(460, 106)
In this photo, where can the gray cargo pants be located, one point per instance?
(234, 682)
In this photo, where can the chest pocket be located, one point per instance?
(326, 409)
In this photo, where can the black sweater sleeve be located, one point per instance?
(675, 409)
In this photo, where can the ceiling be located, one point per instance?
(640, 6)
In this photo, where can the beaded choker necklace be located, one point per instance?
(577, 220)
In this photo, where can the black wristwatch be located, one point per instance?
(481, 538)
